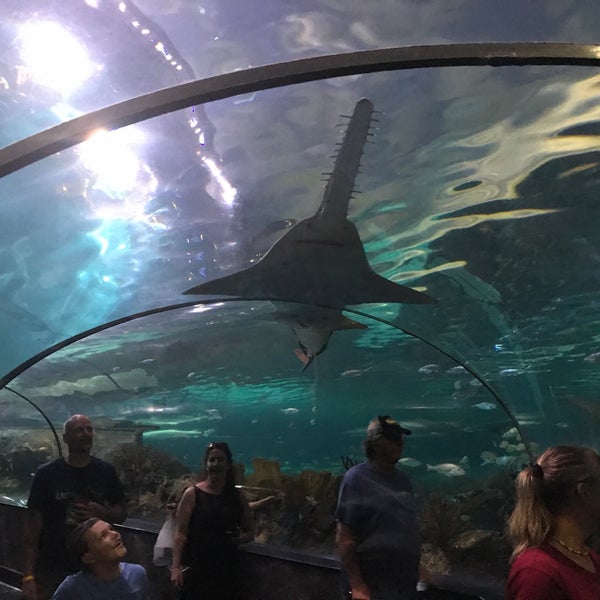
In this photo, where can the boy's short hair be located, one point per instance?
(75, 542)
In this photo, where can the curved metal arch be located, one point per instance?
(36, 358)
(44, 415)
(4, 381)
(503, 405)
(70, 133)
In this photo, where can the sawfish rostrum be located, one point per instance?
(321, 259)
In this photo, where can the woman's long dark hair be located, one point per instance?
(229, 490)
(224, 447)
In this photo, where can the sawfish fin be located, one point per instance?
(373, 288)
(253, 283)
(250, 283)
(346, 323)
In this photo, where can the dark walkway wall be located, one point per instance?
(266, 577)
(270, 573)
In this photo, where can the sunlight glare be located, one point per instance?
(117, 171)
(227, 191)
(53, 57)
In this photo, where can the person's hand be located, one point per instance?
(424, 574)
(86, 509)
(360, 592)
(177, 575)
(29, 590)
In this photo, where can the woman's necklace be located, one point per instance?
(573, 550)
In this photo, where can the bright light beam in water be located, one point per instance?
(228, 192)
(118, 172)
(54, 58)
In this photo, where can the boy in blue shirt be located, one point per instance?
(103, 576)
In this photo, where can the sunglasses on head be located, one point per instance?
(218, 445)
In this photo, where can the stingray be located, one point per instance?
(321, 261)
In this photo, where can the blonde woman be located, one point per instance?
(557, 510)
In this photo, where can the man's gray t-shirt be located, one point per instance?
(380, 509)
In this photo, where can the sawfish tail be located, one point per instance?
(340, 185)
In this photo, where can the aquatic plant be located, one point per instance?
(464, 529)
(347, 462)
(442, 519)
(146, 473)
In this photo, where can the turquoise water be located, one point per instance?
(480, 189)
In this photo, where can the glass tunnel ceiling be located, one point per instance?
(479, 189)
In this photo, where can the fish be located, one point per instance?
(510, 372)
(411, 463)
(429, 369)
(214, 414)
(447, 469)
(290, 411)
(321, 259)
(457, 370)
(491, 458)
(313, 328)
(512, 448)
(511, 434)
(486, 406)
(592, 358)
(354, 372)
(173, 434)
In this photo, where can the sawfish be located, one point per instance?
(313, 327)
(321, 261)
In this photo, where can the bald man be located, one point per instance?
(66, 492)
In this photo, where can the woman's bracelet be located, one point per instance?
(27, 578)
(182, 568)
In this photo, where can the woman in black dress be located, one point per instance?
(212, 519)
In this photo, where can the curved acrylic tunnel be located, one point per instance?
(479, 191)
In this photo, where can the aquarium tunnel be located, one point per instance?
(266, 223)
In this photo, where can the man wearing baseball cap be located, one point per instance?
(377, 534)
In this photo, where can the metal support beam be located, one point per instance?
(68, 134)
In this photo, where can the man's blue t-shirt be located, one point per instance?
(380, 509)
(130, 585)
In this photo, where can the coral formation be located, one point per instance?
(303, 515)
(148, 476)
(466, 530)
